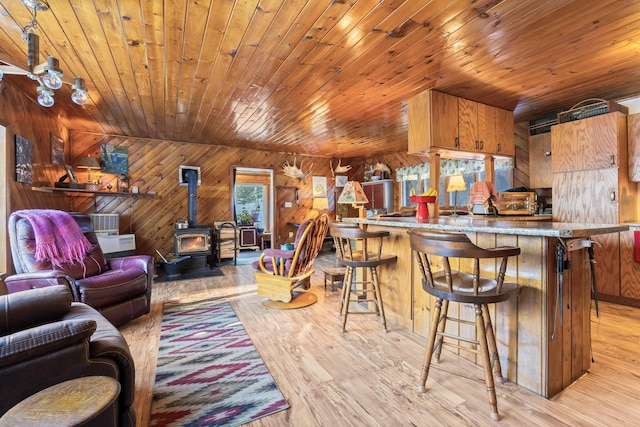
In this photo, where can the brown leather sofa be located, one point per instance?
(119, 288)
(46, 339)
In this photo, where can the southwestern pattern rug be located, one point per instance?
(209, 373)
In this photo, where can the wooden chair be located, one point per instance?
(353, 247)
(466, 288)
(280, 272)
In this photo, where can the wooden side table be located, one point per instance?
(69, 403)
(333, 275)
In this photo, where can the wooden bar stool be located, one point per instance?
(466, 288)
(352, 247)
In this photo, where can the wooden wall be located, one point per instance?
(23, 116)
(153, 166)
(521, 171)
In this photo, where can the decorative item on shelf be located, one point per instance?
(89, 163)
(385, 171)
(123, 183)
(456, 183)
(48, 74)
(353, 194)
(339, 169)
(296, 172)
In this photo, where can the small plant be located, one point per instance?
(244, 217)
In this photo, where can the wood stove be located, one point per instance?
(195, 240)
(192, 241)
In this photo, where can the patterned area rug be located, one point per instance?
(209, 373)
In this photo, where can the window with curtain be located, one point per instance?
(413, 180)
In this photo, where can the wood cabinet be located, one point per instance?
(438, 121)
(248, 237)
(594, 143)
(380, 194)
(540, 172)
(591, 185)
(633, 127)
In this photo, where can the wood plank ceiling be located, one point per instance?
(322, 77)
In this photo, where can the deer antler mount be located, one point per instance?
(294, 171)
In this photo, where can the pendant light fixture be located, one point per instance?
(48, 74)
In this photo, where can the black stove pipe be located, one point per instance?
(192, 202)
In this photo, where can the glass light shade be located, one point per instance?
(123, 183)
(456, 183)
(1, 74)
(89, 163)
(52, 79)
(45, 97)
(353, 193)
(79, 97)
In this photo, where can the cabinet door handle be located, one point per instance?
(613, 160)
(499, 147)
(476, 144)
(481, 144)
(457, 143)
(612, 196)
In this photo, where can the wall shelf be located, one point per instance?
(89, 193)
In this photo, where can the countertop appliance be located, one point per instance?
(517, 203)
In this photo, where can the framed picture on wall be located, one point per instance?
(114, 159)
(319, 186)
(341, 180)
(57, 150)
(24, 159)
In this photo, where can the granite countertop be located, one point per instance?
(497, 226)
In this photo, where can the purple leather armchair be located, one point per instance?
(46, 339)
(120, 288)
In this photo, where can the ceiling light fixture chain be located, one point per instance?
(48, 75)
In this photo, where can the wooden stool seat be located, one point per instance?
(71, 403)
(353, 249)
(450, 285)
(333, 276)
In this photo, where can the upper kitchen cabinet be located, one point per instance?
(633, 126)
(593, 143)
(460, 127)
(433, 122)
(505, 131)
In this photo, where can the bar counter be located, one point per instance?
(537, 350)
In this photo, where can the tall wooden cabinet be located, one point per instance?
(438, 121)
(591, 185)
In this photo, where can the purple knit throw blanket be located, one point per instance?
(59, 238)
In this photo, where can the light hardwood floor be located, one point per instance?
(365, 377)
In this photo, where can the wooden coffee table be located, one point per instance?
(69, 403)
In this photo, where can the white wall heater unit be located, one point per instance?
(115, 246)
(105, 224)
